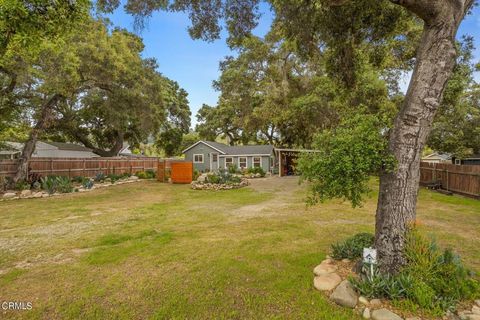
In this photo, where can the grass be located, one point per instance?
(156, 251)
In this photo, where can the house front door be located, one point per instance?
(213, 161)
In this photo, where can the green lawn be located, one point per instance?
(151, 250)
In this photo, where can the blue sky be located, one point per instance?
(194, 63)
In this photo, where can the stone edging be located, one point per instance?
(30, 194)
(196, 185)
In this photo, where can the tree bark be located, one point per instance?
(29, 147)
(435, 60)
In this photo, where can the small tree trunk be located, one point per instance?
(29, 147)
(398, 189)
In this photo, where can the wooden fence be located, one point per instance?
(86, 167)
(461, 179)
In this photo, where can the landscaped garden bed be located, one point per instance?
(222, 180)
(42, 187)
(432, 284)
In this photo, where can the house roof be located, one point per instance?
(16, 146)
(235, 150)
(441, 156)
(68, 146)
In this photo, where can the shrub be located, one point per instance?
(49, 184)
(150, 174)
(233, 169)
(99, 177)
(114, 177)
(432, 279)
(256, 170)
(53, 184)
(22, 185)
(352, 247)
(141, 174)
(64, 185)
(87, 183)
(78, 179)
(196, 174)
(222, 177)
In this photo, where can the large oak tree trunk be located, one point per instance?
(435, 60)
(29, 147)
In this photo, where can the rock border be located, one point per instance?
(198, 185)
(331, 277)
(32, 194)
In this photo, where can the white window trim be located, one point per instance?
(198, 154)
(259, 162)
(226, 167)
(240, 160)
(458, 161)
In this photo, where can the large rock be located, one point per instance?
(26, 193)
(202, 177)
(363, 300)
(476, 310)
(384, 314)
(9, 195)
(345, 295)
(366, 313)
(477, 302)
(324, 268)
(326, 282)
(375, 303)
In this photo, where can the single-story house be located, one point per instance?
(437, 157)
(474, 159)
(47, 149)
(212, 156)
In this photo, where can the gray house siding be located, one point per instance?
(206, 148)
(265, 161)
(200, 148)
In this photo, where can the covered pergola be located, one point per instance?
(287, 160)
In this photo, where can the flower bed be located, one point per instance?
(57, 185)
(433, 283)
(221, 180)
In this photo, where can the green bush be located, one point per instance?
(352, 247)
(233, 169)
(87, 183)
(78, 179)
(99, 177)
(150, 174)
(22, 185)
(256, 170)
(64, 185)
(433, 280)
(141, 174)
(222, 177)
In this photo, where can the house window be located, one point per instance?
(214, 157)
(198, 158)
(458, 161)
(242, 162)
(257, 162)
(228, 162)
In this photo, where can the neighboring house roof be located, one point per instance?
(235, 150)
(13, 147)
(472, 157)
(440, 156)
(68, 146)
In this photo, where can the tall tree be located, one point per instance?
(349, 22)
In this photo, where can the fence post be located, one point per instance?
(51, 166)
(447, 178)
(143, 164)
(84, 167)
